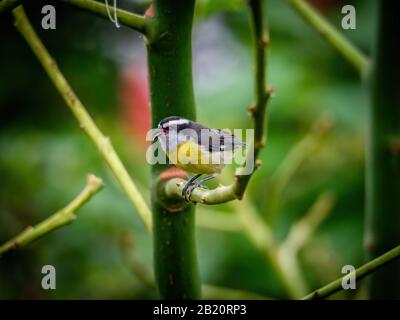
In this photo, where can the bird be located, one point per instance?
(196, 148)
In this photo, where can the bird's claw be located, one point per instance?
(188, 190)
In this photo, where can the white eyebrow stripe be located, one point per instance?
(177, 122)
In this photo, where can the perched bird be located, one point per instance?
(196, 148)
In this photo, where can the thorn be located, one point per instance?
(94, 181)
(258, 163)
(370, 246)
(251, 108)
(171, 279)
(394, 146)
(15, 245)
(265, 41)
(315, 295)
(270, 91)
(260, 144)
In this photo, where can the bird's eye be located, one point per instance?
(165, 129)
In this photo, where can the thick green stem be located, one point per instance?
(171, 91)
(383, 154)
(352, 54)
(57, 220)
(335, 286)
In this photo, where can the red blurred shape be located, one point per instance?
(135, 102)
(326, 5)
(150, 11)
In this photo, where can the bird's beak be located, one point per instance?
(155, 133)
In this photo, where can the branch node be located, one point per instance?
(260, 144)
(270, 91)
(265, 40)
(251, 109)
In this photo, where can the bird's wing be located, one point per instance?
(220, 140)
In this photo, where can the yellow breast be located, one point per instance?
(191, 157)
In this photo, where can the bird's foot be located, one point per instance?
(190, 190)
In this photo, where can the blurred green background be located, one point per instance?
(316, 139)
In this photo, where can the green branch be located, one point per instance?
(288, 167)
(262, 95)
(360, 273)
(169, 56)
(102, 142)
(262, 237)
(299, 234)
(57, 220)
(173, 188)
(303, 229)
(129, 19)
(352, 54)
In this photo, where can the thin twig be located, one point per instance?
(102, 142)
(352, 54)
(262, 94)
(261, 235)
(129, 19)
(289, 166)
(298, 235)
(57, 220)
(173, 189)
(360, 273)
(302, 230)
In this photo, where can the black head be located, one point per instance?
(174, 122)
